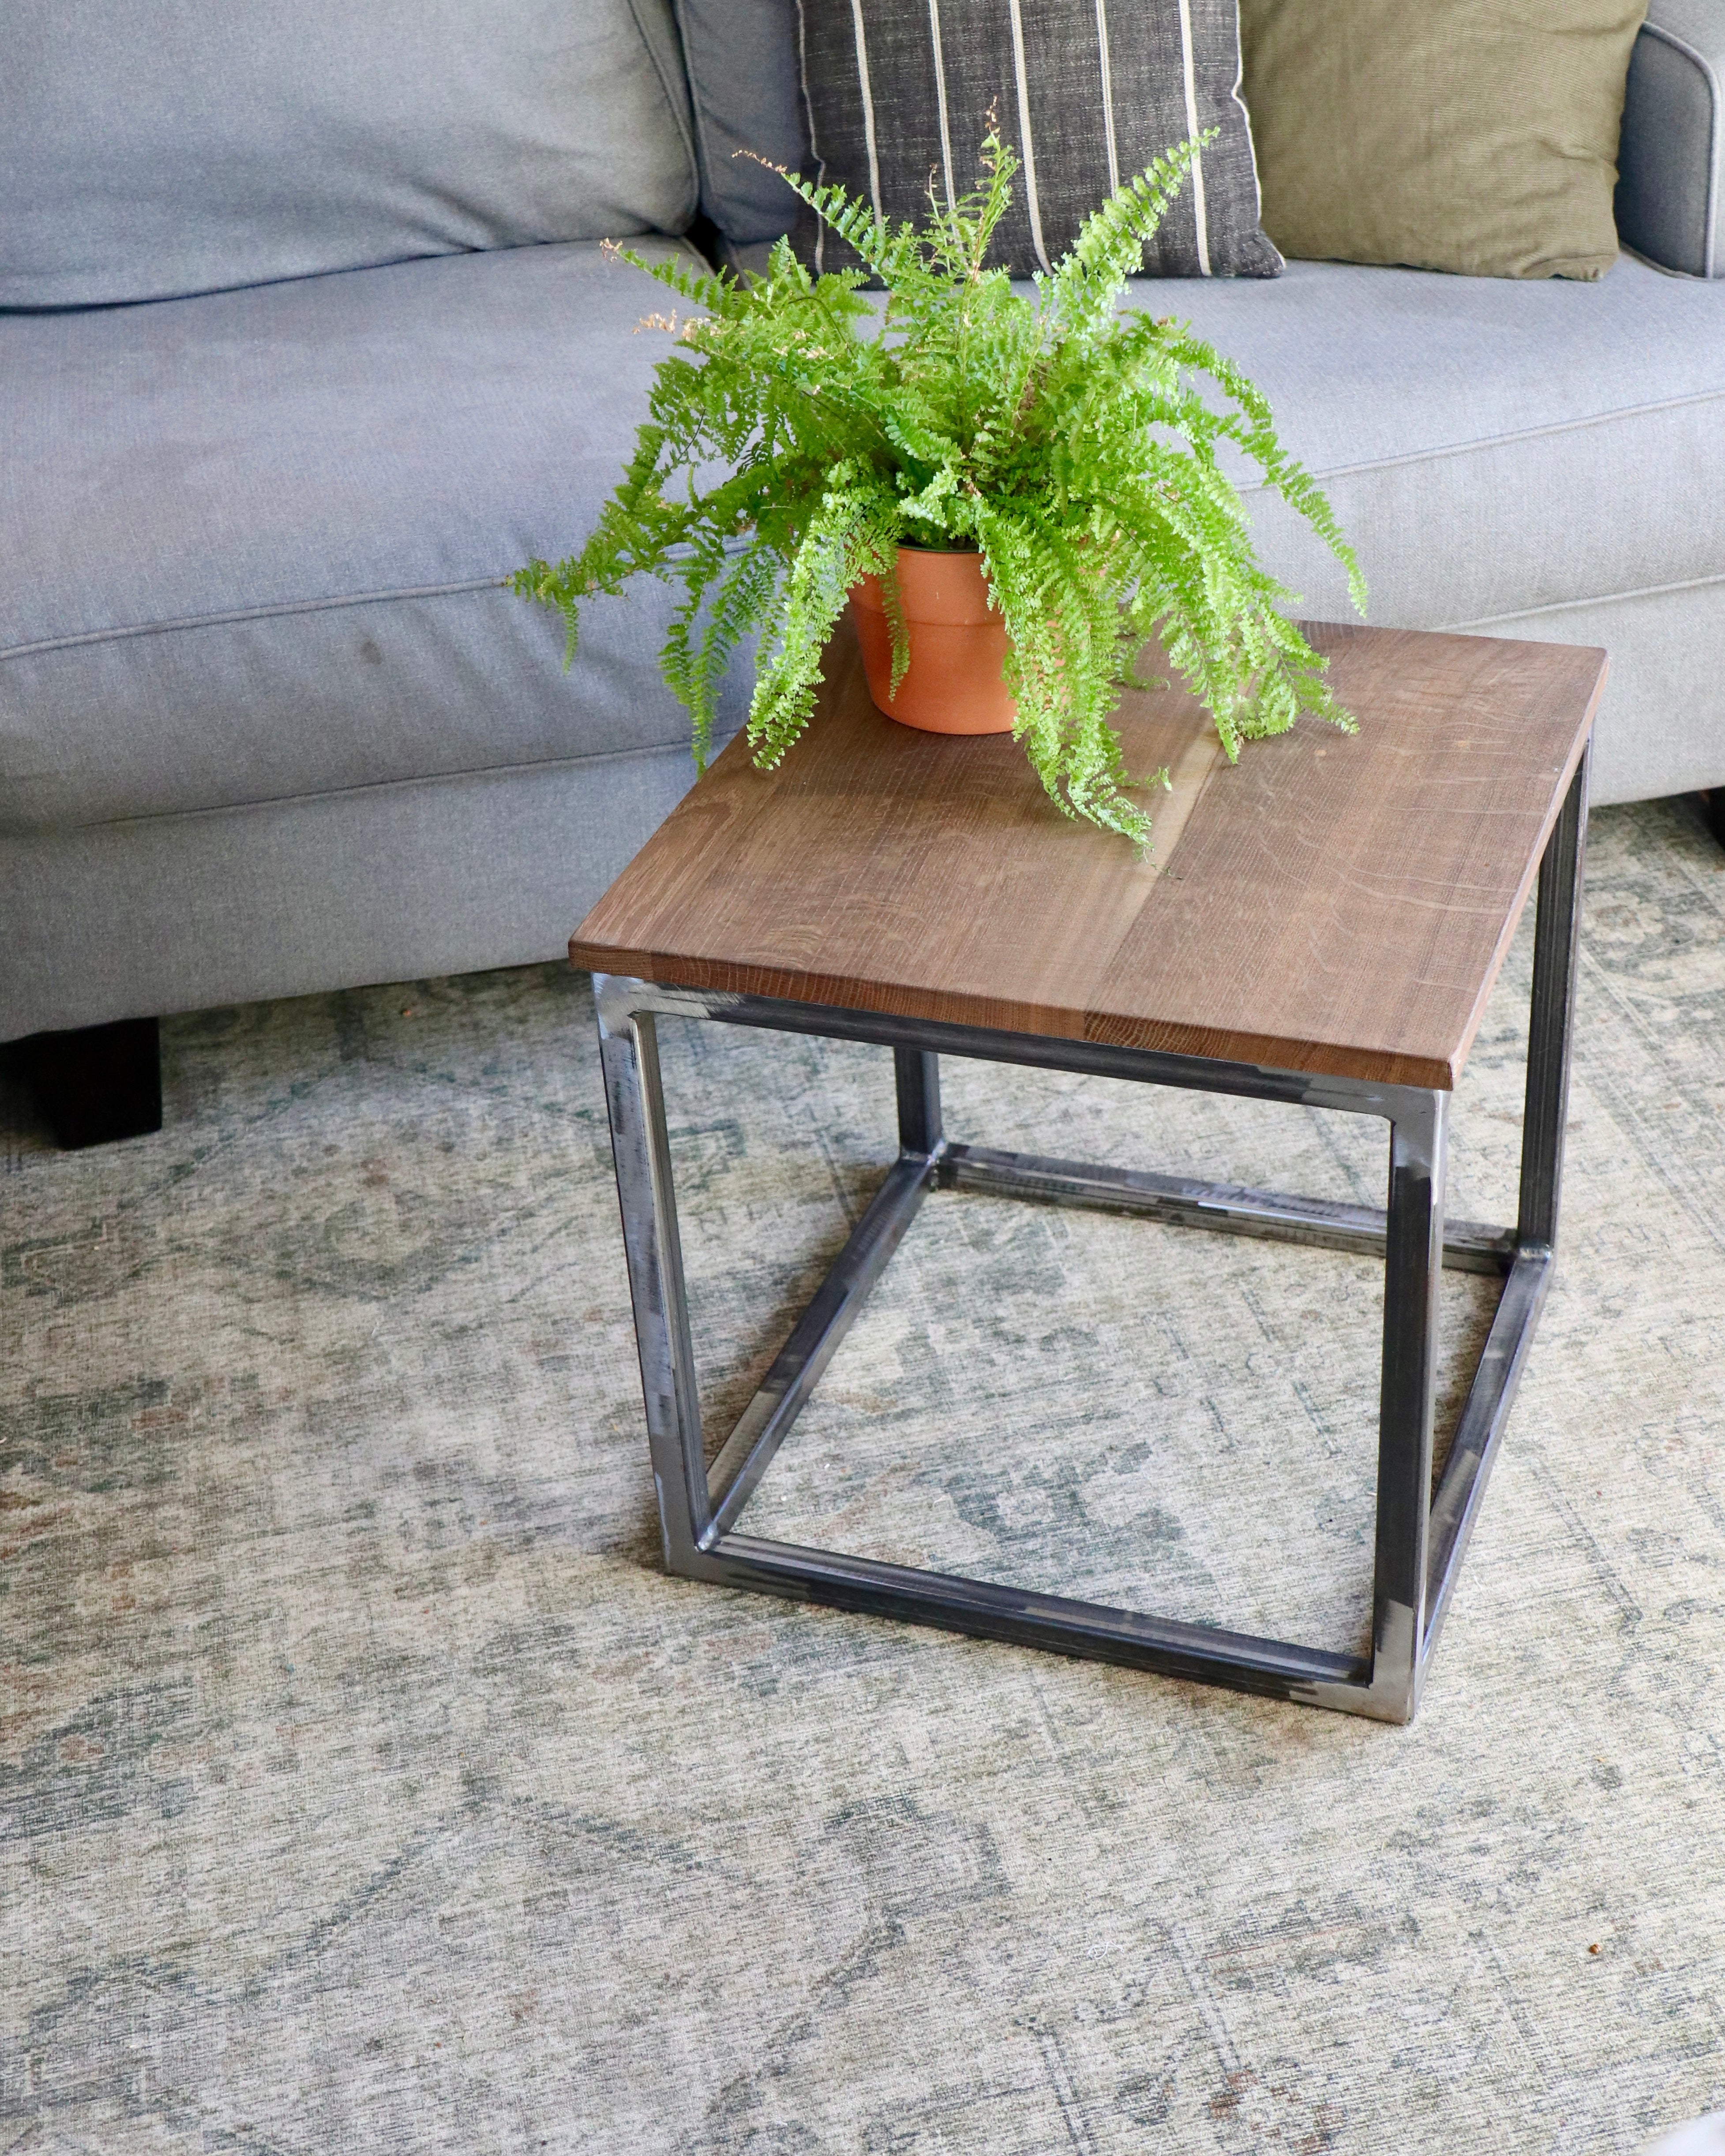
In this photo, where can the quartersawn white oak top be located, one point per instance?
(1334, 903)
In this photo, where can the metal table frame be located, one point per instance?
(1420, 1538)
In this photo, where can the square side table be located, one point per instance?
(1320, 926)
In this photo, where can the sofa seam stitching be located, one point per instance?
(268, 801)
(1525, 434)
(270, 612)
(1597, 598)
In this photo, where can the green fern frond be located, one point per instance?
(797, 432)
(702, 288)
(1110, 247)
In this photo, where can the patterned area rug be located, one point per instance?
(365, 1784)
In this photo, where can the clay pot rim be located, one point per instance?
(916, 546)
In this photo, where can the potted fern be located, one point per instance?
(800, 436)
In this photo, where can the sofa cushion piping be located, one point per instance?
(250, 613)
(1479, 442)
(481, 770)
(1574, 606)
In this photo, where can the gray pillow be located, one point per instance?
(1086, 91)
(151, 148)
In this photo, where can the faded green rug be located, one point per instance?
(365, 1785)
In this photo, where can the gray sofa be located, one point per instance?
(308, 341)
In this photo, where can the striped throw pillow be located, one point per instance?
(1087, 92)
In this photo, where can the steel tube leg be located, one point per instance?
(1556, 944)
(1480, 1431)
(635, 1099)
(1412, 1264)
(918, 1073)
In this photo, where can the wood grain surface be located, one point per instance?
(1334, 903)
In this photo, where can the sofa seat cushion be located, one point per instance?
(254, 539)
(1492, 448)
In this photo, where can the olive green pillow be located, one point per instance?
(1479, 135)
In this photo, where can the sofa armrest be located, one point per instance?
(1668, 159)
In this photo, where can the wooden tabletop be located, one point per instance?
(1333, 903)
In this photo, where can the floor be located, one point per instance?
(364, 1782)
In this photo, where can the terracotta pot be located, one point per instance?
(953, 685)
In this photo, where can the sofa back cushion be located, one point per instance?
(747, 91)
(154, 148)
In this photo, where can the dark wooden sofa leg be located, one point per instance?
(1713, 807)
(97, 1084)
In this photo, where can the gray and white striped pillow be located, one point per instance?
(1087, 92)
